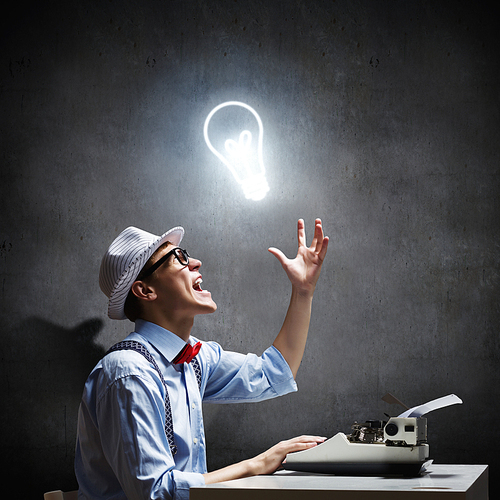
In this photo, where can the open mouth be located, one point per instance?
(197, 285)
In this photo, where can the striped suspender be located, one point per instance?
(141, 349)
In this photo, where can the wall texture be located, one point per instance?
(381, 117)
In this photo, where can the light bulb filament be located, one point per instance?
(240, 152)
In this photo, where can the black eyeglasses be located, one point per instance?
(181, 255)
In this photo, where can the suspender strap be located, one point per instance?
(141, 349)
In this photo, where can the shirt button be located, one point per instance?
(193, 406)
(195, 440)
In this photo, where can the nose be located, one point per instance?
(194, 264)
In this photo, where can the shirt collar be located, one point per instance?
(168, 343)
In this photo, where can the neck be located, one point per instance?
(181, 327)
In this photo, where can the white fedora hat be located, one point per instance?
(124, 260)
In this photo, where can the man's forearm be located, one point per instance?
(265, 463)
(291, 340)
(234, 471)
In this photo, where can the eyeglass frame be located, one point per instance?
(150, 270)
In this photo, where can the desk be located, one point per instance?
(441, 482)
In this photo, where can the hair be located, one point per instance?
(133, 306)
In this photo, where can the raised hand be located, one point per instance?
(303, 271)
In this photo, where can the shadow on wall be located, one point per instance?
(44, 368)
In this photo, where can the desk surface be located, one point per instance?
(468, 482)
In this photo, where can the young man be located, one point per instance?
(140, 424)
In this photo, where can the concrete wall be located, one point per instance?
(380, 117)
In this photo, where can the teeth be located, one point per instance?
(197, 283)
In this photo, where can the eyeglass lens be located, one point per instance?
(182, 256)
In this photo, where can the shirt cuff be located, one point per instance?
(278, 372)
(183, 481)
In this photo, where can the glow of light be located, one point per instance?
(248, 172)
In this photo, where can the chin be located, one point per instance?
(209, 308)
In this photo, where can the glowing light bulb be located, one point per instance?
(243, 156)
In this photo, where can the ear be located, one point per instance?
(143, 291)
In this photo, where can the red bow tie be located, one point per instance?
(187, 354)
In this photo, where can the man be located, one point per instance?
(140, 424)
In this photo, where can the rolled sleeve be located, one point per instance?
(278, 372)
(236, 378)
(182, 481)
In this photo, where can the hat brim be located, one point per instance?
(119, 294)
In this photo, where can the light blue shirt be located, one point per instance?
(122, 451)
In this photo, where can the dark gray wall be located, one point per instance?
(381, 117)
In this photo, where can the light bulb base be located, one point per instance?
(255, 187)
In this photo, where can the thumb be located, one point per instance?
(278, 254)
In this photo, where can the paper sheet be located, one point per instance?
(435, 404)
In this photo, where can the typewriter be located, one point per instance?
(397, 446)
